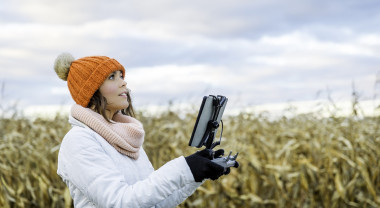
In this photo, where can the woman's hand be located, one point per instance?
(202, 167)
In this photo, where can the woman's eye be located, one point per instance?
(111, 77)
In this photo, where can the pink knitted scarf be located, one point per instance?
(125, 133)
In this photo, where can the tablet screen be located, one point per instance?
(207, 112)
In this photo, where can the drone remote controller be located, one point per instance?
(226, 162)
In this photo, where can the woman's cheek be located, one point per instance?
(107, 89)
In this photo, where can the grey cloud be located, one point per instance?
(316, 41)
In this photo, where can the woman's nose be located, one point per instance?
(123, 83)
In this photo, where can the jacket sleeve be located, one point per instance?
(94, 173)
(179, 196)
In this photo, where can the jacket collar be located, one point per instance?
(75, 122)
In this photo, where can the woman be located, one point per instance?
(101, 158)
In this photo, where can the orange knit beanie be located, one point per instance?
(85, 75)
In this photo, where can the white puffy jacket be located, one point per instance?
(99, 176)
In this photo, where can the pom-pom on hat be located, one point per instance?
(85, 75)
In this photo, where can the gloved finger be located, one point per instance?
(236, 165)
(218, 153)
(227, 171)
(207, 153)
(215, 170)
(216, 176)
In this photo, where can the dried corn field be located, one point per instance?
(301, 161)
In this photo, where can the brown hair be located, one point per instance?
(99, 103)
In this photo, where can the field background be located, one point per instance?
(291, 161)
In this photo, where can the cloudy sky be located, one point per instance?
(252, 51)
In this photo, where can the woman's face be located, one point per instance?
(115, 90)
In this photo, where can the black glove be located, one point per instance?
(201, 166)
